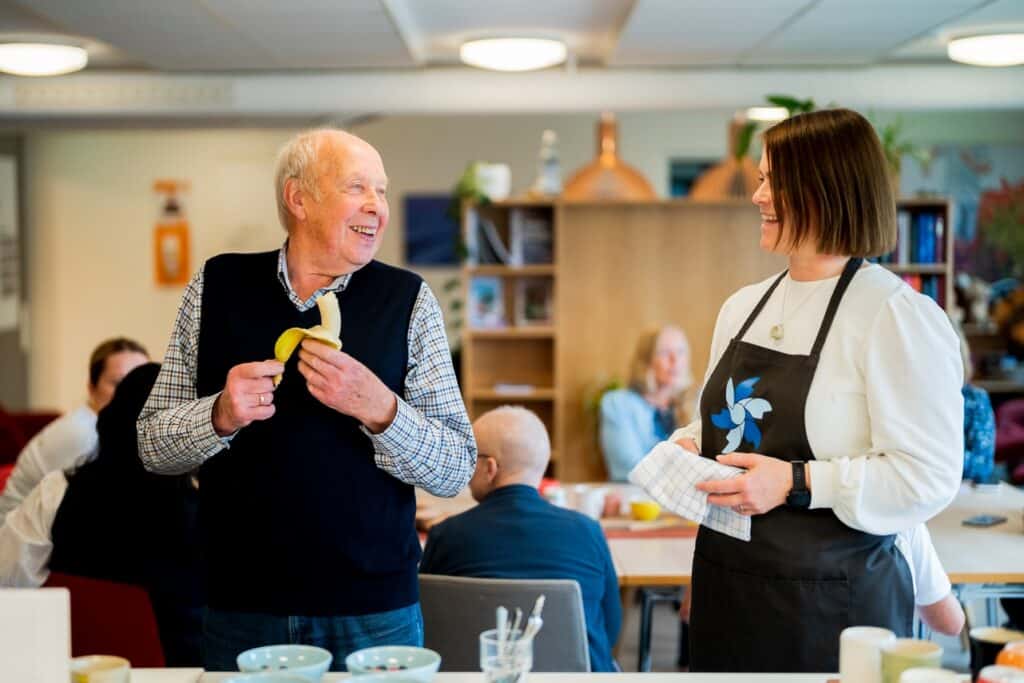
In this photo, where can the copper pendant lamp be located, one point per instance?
(607, 176)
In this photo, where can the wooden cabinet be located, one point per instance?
(616, 268)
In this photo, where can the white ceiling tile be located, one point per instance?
(587, 26)
(862, 32)
(692, 32)
(178, 35)
(319, 33)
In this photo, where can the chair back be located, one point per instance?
(456, 610)
(111, 618)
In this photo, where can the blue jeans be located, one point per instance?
(228, 634)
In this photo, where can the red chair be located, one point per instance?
(5, 474)
(112, 619)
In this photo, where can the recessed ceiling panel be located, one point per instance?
(696, 33)
(319, 34)
(171, 35)
(589, 27)
(862, 32)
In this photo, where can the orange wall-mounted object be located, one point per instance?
(171, 246)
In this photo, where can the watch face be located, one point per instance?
(799, 499)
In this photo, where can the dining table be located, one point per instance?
(199, 676)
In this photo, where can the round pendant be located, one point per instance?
(776, 332)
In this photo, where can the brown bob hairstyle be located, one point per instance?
(830, 183)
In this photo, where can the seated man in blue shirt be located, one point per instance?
(515, 534)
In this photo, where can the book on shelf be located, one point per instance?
(531, 236)
(486, 302)
(920, 239)
(929, 285)
(534, 301)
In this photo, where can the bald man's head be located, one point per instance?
(513, 448)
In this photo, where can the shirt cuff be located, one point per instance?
(823, 484)
(206, 440)
(402, 431)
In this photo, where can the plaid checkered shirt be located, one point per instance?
(429, 444)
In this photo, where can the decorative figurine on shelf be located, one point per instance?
(974, 297)
(608, 176)
(549, 168)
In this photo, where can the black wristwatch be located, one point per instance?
(799, 496)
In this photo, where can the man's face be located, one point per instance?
(349, 219)
(117, 366)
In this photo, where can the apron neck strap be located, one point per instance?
(760, 304)
(833, 304)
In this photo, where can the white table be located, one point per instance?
(197, 676)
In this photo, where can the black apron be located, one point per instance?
(779, 602)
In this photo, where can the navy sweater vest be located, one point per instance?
(297, 519)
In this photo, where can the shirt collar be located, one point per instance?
(337, 285)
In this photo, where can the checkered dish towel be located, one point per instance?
(669, 474)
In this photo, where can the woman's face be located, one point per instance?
(770, 227)
(671, 362)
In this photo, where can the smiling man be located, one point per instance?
(307, 489)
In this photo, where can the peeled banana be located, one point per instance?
(327, 332)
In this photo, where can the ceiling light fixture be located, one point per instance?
(1003, 49)
(513, 54)
(769, 114)
(41, 59)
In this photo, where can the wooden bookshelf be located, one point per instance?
(507, 359)
(616, 268)
(930, 216)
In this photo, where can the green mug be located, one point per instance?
(907, 653)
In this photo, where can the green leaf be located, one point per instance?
(743, 139)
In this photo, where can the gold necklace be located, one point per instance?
(778, 330)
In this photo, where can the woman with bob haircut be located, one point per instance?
(636, 418)
(836, 387)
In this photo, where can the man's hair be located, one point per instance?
(296, 160)
(828, 173)
(99, 356)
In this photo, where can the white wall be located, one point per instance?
(91, 209)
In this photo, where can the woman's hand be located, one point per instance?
(688, 444)
(763, 487)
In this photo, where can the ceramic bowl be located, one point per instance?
(395, 663)
(303, 660)
(644, 510)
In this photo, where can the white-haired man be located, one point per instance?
(306, 490)
(515, 534)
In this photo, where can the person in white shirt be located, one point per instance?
(70, 440)
(933, 594)
(837, 388)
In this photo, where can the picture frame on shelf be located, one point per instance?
(534, 301)
(486, 302)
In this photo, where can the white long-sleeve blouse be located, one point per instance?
(884, 414)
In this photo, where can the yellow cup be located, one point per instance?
(100, 669)
(644, 510)
(906, 653)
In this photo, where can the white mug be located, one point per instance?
(100, 669)
(860, 653)
(920, 675)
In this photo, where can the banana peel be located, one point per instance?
(327, 332)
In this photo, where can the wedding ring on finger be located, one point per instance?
(259, 397)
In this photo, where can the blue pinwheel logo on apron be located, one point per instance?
(740, 413)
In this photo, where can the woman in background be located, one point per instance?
(636, 418)
(979, 423)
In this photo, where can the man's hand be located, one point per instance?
(339, 381)
(763, 487)
(248, 396)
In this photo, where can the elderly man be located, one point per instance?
(515, 534)
(70, 440)
(306, 490)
